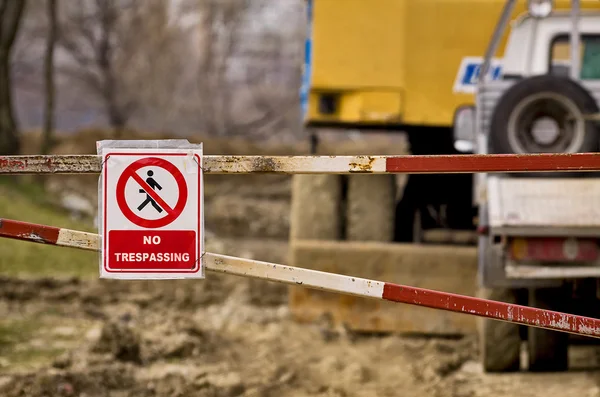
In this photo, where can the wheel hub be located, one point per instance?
(546, 123)
(545, 131)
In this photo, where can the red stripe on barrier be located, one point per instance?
(495, 163)
(392, 292)
(28, 231)
(491, 309)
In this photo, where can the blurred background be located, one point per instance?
(226, 73)
(181, 66)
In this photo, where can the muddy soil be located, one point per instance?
(227, 336)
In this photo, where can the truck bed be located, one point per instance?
(543, 206)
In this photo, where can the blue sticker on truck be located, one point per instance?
(306, 69)
(468, 74)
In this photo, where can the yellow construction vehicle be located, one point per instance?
(405, 66)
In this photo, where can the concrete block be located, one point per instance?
(439, 267)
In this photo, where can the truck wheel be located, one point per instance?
(316, 207)
(548, 350)
(499, 341)
(370, 208)
(544, 114)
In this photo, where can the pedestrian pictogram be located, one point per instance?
(149, 200)
(152, 213)
(154, 192)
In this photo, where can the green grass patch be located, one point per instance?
(15, 347)
(33, 358)
(15, 332)
(28, 202)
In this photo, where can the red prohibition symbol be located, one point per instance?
(172, 213)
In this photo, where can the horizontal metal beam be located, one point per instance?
(545, 231)
(332, 282)
(474, 163)
(551, 272)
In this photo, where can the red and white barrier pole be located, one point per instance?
(331, 282)
(471, 163)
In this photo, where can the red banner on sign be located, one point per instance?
(161, 250)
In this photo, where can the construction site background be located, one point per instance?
(65, 332)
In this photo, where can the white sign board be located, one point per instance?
(152, 215)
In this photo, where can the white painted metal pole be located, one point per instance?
(575, 39)
(499, 31)
(365, 164)
(332, 282)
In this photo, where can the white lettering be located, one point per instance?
(152, 257)
(152, 240)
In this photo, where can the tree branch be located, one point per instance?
(12, 11)
(49, 77)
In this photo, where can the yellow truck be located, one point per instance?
(394, 64)
(405, 66)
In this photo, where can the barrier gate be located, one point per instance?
(411, 164)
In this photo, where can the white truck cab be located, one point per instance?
(538, 46)
(539, 233)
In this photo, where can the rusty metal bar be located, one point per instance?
(467, 163)
(332, 282)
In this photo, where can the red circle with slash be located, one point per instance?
(172, 213)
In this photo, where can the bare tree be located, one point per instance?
(28, 52)
(220, 28)
(118, 50)
(49, 76)
(11, 12)
(268, 81)
(224, 47)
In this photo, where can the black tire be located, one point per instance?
(514, 115)
(548, 350)
(499, 341)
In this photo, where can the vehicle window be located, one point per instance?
(589, 56)
(590, 64)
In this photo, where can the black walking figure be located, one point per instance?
(153, 184)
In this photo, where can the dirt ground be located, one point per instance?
(228, 336)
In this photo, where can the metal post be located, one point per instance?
(496, 37)
(575, 9)
(487, 59)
